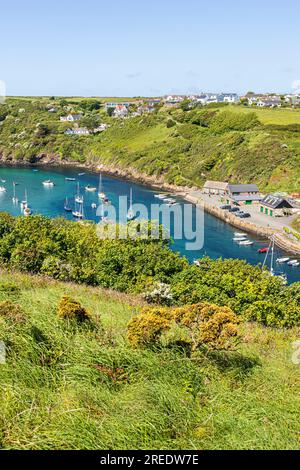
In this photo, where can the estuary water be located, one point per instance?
(49, 201)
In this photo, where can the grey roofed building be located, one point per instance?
(236, 189)
(215, 187)
(250, 197)
(275, 202)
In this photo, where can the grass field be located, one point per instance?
(281, 116)
(77, 387)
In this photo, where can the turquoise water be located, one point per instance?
(50, 202)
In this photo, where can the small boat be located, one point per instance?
(160, 196)
(239, 239)
(170, 200)
(90, 189)
(24, 203)
(282, 260)
(78, 213)
(101, 194)
(48, 183)
(70, 179)
(293, 262)
(35, 170)
(27, 211)
(2, 189)
(131, 215)
(78, 197)
(263, 250)
(239, 234)
(67, 207)
(246, 242)
(94, 206)
(81, 174)
(3, 181)
(14, 198)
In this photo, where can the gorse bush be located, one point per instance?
(70, 309)
(73, 252)
(11, 312)
(192, 326)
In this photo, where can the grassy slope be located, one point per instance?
(53, 397)
(185, 154)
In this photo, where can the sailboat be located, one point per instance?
(131, 214)
(67, 207)
(78, 212)
(101, 194)
(272, 271)
(24, 202)
(14, 199)
(78, 197)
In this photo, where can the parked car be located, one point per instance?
(245, 215)
(225, 207)
(234, 209)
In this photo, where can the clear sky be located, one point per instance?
(148, 47)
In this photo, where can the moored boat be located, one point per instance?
(263, 250)
(246, 242)
(67, 207)
(2, 189)
(48, 183)
(130, 213)
(70, 179)
(293, 262)
(282, 260)
(90, 188)
(101, 194)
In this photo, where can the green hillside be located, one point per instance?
(232, 143)
(70, 385)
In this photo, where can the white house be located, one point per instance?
(120, 111)
(71, 117)
(77, 131)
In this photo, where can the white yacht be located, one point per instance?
(48, 183)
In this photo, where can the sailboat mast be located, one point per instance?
(272, 256)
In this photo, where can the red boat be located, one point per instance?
(263, 250)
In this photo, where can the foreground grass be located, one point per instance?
(76, 387)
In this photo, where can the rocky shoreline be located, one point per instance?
(281, 239)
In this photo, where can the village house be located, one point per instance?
(144, 110)
(77, 131)
(215, 187)
(152, 102)
(174, 100)
(275, 206)
(229, 98)
(71, 117)
(269, 102)
(101, 128)
(243, 193)
(114, 105)
(120, 111)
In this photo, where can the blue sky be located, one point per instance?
(131, 47)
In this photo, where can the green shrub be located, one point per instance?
(70, 309)
(274, 313)
(201, 325)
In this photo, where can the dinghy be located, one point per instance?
(282, 260)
